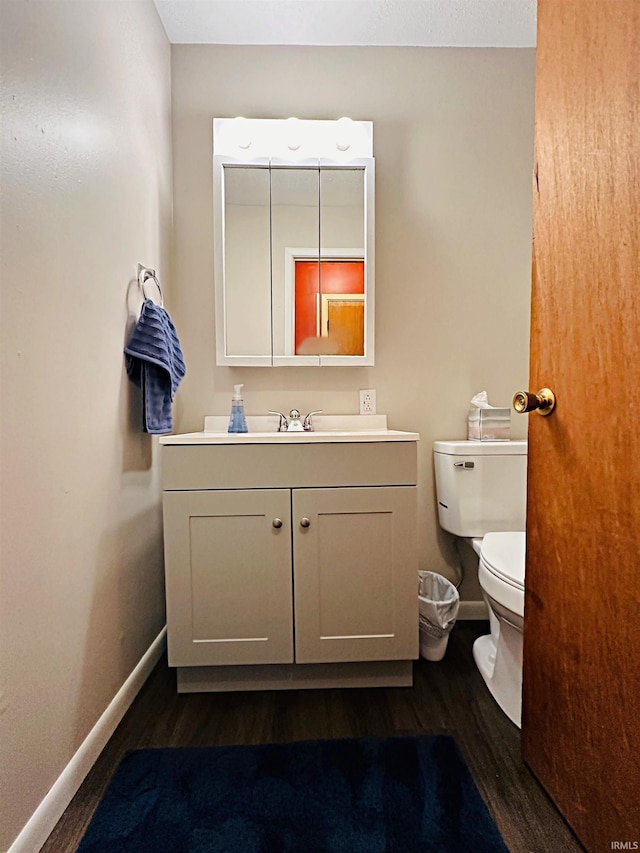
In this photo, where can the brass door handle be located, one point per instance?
(277, 523)
(304, 522)
(544, 402)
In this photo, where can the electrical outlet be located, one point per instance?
(368, 402)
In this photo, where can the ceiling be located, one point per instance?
(429, 23)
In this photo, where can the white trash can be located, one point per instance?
(438, 603)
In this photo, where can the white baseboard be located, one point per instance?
(43, 820)
(473, 610)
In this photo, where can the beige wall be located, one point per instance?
(86, 195)
(453, 141)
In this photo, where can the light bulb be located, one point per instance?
(344, 133)
(293, 133)
(241, 133)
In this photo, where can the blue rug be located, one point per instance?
(366, 795)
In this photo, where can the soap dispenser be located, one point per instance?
(237, 421)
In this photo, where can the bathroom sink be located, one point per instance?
(263, 430)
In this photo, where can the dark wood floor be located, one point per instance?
(448, 696)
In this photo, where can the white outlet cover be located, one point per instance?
(368, 401)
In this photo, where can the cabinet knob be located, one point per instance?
(277, 522)
(304, 522)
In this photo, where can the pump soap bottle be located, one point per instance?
(237, 421)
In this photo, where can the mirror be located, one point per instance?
(247, 252)
(294, 261)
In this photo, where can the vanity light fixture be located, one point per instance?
(292, 139)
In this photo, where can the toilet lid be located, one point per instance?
(503, 555)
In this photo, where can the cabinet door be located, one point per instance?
(355, 574)
(228, 577)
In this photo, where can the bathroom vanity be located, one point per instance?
(291, 558)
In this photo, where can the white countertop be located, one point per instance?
(263, 430)
(289, 437)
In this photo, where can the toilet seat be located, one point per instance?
(503, 554)
(501, 569)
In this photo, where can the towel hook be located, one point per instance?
(144, 274)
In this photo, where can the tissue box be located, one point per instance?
(489, 424)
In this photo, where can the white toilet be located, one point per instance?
(481, 494)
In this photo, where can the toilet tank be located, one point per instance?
(481, 486)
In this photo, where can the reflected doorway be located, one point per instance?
(329, 306)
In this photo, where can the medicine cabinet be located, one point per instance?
(294, 242)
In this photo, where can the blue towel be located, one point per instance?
(155, 363)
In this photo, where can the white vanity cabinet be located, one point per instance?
(290, 564)
(228, 576)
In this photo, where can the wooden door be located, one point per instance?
(355, 574)
(228, 577)
(581, 695)
(345, 324)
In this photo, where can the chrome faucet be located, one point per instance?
(283, 423)
(307, 424)
(293, 422)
